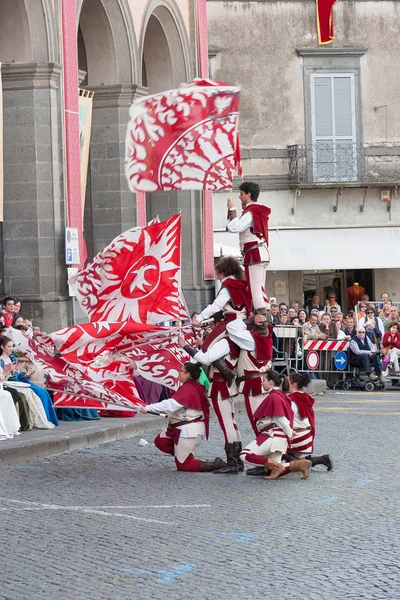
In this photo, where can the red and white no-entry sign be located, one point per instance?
(312, 360)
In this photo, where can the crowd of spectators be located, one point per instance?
(376, 323)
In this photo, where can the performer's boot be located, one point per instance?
(225, 371)
(256, 471)
(324, 460)
(238, 451)
(301, 466)
(231, 459)
(273, 469)
(289, 457)
(212, 465)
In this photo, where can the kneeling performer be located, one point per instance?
(188, 422)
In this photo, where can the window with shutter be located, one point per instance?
(334, 151)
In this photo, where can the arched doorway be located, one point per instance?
(15, 38)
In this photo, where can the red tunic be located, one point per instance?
(305, 404)
(260, 214)
(276, 404)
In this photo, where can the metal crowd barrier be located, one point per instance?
(323, 359)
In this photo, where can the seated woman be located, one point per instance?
(8, 358)
(9, 421)
(188, 422)
(274, 421)
(302, 443)
(391, 348)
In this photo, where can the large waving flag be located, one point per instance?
(137, 277)
(325, 29)
(184, 139)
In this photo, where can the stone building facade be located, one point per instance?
(126, 49)
(320, 132)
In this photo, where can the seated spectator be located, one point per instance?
(18, 321)
(9, 421)
(291, 313)
(391, 347)
(362, 355)
(350, 331)
(8, 359)
(314, 304)
(393, 318)
(328, 327)
(302, 316)
(370, 314)
(311, 331)
(385, 312)
(332, 302)
(8, 310)
(17, 306)
(372, 330)
(274, 314)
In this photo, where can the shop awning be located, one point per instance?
(322, 249)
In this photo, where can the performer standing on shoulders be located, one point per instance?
(302, 442)
(274, 421)
(188, 422)
(252, 228)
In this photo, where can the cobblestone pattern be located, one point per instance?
(114, 522)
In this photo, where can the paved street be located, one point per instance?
(118, 522)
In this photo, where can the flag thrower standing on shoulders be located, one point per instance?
(252, 228)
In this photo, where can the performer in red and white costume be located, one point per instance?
(222, 393)
(188, 422)
(252, 228)
(274, 421)
(302, 443)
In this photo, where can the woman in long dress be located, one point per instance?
(8, 360)
(9, 421)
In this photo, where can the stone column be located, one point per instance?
(112, 204)
(33, 192)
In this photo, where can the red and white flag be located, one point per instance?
(137, 277)
(110, 384)
(184, 139)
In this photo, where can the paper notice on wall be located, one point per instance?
(1, 149)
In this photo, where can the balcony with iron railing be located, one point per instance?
(345, 164)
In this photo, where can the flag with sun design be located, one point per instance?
(135, 278)
(184, 139)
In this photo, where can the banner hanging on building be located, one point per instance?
(85, 129)
(184, 139)
(326, 33)
(1, 149)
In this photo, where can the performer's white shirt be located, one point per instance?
(242, 225)
(222, 298)
(167, 406)
(170, 406)
(238, 333)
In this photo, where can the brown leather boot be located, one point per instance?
(301, 466)
(232, 460)
(273, 468)
(238, 450)
(207, 466)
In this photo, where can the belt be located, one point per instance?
(196, 420)
(249, 376)
(244, 251)
(304, 429)
(268, 427)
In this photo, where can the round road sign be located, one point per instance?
(312, 360)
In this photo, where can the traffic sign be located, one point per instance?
(72, 246)
(312, 360)
(341, 361)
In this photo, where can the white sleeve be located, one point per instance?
(240, 335)
(240, 224)
(284, 424)
(221, 299)
(168, 405)
(216, 351)
(341, 335)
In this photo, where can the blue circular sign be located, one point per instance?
(341, 361)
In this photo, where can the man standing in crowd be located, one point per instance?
(252, 228)
(362, 355)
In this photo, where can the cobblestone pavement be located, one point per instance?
(118, 522)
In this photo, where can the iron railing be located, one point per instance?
(345, 162)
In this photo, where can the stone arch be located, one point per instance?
(164, 44)
(107, 31)
(27, 31)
